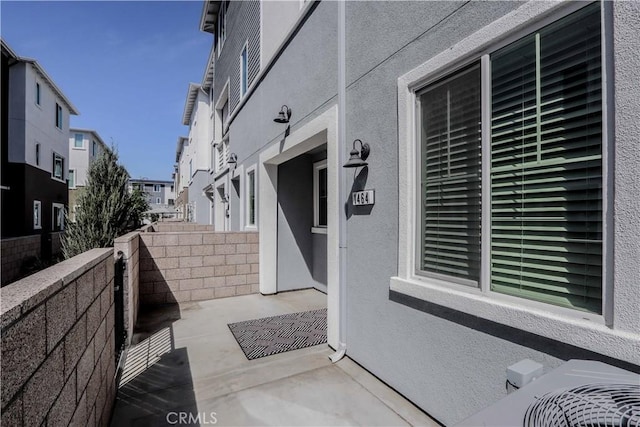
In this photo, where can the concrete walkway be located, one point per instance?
(187, 369)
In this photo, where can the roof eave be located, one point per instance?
(209, 16)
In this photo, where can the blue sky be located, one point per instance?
(126, 66)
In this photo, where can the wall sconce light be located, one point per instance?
(358, 158)
(284, 115)
(233, 160)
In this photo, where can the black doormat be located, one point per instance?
(277, 334)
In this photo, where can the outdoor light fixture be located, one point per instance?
(284, 115)
(233, 160)
(358, 158)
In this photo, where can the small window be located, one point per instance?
(72, 178)
(57, 217)
(58, 166)
(94, 148)
(37, 154)
(222, 25)
(38, 95)
(320, 194)
(243, 71)
(58, 116)
(156, 188)
(78, 141)
(170, 202)
(158, 200)
(37, 214)
(251, 198)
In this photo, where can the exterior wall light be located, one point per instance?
(233, 160)
(284, 115)
(358, 158)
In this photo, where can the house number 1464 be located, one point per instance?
(362, 198)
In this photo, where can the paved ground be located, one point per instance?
(187, 369)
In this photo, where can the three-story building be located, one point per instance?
(492, 210)
(35, 152)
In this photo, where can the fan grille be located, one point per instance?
(601, 405)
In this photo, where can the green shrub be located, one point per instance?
(105, 210)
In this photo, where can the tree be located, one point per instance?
(105, 210)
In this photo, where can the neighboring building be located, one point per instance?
(159, 193)
(85, 145)
(197, 116)
(35, 151)
(181, 179)
(496, 234)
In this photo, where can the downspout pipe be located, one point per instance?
(342, 184)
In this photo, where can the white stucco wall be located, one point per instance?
(79, 158)
(41, 126)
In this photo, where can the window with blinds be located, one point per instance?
(546, 164)
(545, 147)
(451, 176)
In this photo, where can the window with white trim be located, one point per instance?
(243, 71)
(158, 201)
(38, 93)
(545, 143)
(320, 194)
(57, 220)
(222, 25)
(156, 188)
(58, 166)
(37, 214)
(72, 178)
(251, 197)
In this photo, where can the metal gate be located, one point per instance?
(118, 295)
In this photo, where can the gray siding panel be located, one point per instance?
(243, 26)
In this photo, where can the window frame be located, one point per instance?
(55, 157)
(157, 188)
(480, 46)
(317, 167)
(59, 121)
(54, 224)
(38, 94)
(71, 173)
(37, 154)
(221, 34)
(75, 141)
(94, 147)
(37, 215)
(251, 171)
(244, 70)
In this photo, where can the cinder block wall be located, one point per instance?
(193, 266)
(58, 349)
(129, 245)
(181, 226)
(14, 252)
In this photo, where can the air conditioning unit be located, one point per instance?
(578, 393)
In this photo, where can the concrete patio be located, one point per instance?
(185, 367)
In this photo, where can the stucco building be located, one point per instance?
(85, 146)
(35, 156)
(503, 158)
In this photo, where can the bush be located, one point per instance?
(105, 210)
